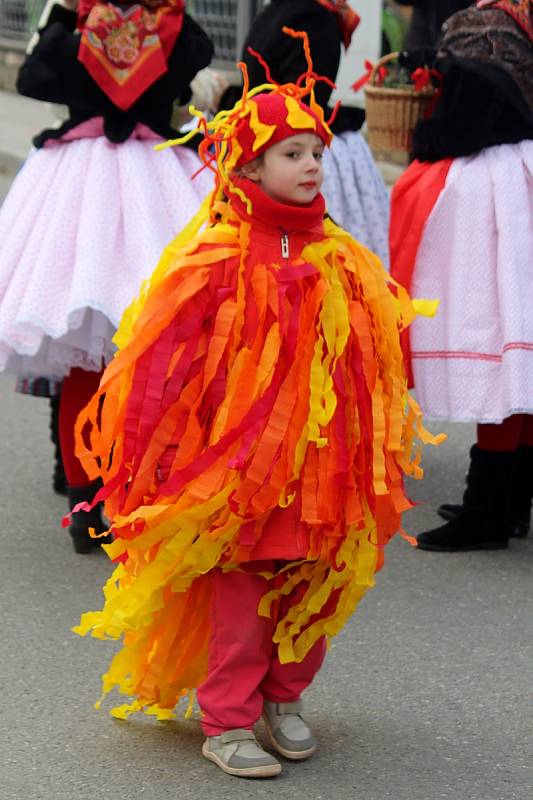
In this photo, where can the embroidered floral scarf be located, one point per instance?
(125, 48)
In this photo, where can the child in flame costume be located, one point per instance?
(252, 439)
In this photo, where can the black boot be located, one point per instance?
(484, 521)
(522, 493)
(59, 481)
(521, 496)
(83, 520)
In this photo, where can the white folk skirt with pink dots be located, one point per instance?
(84, 224)
(474, 361)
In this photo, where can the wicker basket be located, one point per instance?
(391, 114)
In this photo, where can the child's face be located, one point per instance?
(290, 171)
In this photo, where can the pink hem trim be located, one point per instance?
(425, 354)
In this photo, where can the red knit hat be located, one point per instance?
(263, 116)
(272, 118)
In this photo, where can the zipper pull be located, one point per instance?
(285, 245)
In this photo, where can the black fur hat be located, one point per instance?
(486, 59)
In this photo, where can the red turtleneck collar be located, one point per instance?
(274, 214)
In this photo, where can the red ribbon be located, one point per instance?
(363, 80)
(422, 76)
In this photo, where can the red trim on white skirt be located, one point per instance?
(425, 354)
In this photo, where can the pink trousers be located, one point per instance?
(243, 665)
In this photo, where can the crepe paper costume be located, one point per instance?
(475, 361)
(257, 409)
(355, 194)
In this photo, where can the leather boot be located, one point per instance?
(59, 480)
(522, 492)
(83, 520)
(484, 521)
(521, 496)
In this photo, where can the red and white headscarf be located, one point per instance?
(520, 10)
(125, 50)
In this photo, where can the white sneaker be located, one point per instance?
(237, 752)
(287, 730)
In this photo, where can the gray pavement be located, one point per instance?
(425, 695)
(20, 119)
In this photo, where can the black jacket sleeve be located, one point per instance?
(55, 54)
(193, 51)
(53, 73)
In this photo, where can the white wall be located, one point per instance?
(366, 44)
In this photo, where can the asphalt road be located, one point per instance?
(427, 693)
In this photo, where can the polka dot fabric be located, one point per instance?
(83, 225)
(355, 194)
(474, 361)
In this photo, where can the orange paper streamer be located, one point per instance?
(247, 386)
